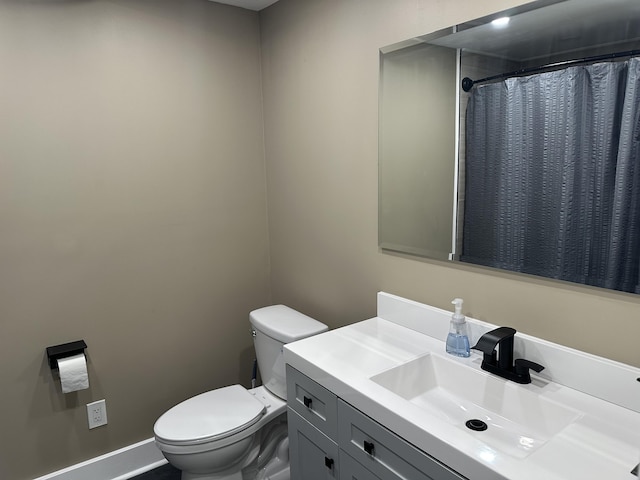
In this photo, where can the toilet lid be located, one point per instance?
(209, 416)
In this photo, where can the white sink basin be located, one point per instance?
(518, 420)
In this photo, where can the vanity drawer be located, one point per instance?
(313, 402)
(382, 452)
(352, 470)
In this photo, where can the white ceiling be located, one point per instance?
(569, 26)
(256, 5)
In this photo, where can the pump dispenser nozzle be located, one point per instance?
(457, 316)
(458, 340)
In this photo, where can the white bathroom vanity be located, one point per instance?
(381, 399)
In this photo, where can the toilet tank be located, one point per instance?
(273, 327)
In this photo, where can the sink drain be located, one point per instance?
(477, 425)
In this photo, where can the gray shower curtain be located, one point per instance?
(553, 176)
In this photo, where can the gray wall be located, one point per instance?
(133, 214)
(320, 65)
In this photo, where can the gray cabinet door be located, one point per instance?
(313, 455)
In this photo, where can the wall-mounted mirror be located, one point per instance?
(513, 142)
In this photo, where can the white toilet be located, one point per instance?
(232, 433)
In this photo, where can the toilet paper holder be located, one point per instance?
(64, 350)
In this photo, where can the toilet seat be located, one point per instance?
(209, 417)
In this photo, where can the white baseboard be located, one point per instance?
(120, 464)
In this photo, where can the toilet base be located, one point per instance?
(272, 463)
(275, 469)
(278, 467)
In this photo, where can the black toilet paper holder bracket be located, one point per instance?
(58, 352)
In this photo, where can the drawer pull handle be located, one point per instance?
(369, 447)
(307, 402)
(328, 462)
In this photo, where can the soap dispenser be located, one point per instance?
(458, 340)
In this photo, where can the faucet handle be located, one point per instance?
(522, 367)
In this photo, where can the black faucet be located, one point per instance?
(504, 366)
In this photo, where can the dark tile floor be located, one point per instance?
(166, 472)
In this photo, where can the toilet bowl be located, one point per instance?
(215, 435)
(220, 434)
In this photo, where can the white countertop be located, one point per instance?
(603, 443)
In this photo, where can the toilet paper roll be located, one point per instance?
(73, 373)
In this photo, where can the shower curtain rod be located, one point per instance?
(467, 83)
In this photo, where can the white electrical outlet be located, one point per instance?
(97, 413)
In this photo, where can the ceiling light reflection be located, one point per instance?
(500, 22)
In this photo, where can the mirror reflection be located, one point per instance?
(530, 163)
